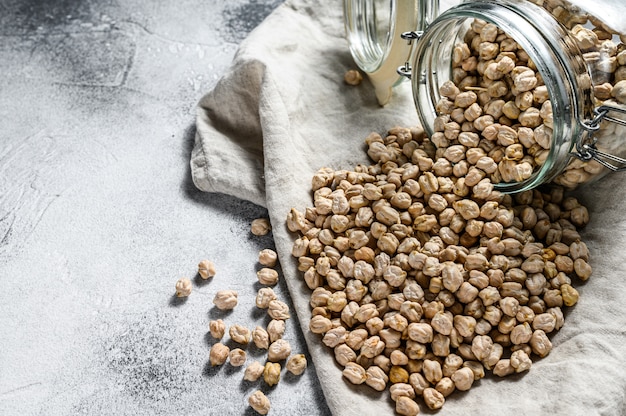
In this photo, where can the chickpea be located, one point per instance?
(259, 402)
(206, 269)
(183, 287)
(260, 226)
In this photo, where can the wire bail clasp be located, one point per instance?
(588, 151)
(405, 70)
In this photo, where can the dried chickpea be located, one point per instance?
(237, 357)
(253, 371)
(353, 77)
(398, 390)
(261, 338)
(268, 257)
(218, 354)
(183, 287)
(276, 329)
(259, 402)
(264, 296)
(407, 406)
(278, 350)
(260, 226)
(267, 276)
(217, 328)
(225, 299)
(433, 399)
(446, 266)
(278, 310)
(206, 269)
(240, 334)
(296, 364)
(354, 373)
(271, 373)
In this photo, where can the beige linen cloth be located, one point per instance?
(283, 111)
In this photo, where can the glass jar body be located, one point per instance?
(570, 71)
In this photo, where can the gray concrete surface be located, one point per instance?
(99, 217)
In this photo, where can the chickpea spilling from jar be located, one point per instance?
(495, 115)
(424, 278)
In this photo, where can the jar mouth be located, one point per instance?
(374, 29)
(549, 46)
(370, 25)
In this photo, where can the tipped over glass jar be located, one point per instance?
(526, 92)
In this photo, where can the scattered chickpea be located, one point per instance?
(237, 357)
(278, 350)
(206, 269)
(183, 287)
(225, 299)
(353, 77)
(278, 310)
(267, 276)
(253, 371)
(296, 364)
(260, 226)
(218, 354)
(268, 257)
(217, 328)
(271, 373)
(240, 334)
(259, 402)
(276, 329)
(261, 338)
(264, 296)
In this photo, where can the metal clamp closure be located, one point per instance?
(405, 70)
(588, 151)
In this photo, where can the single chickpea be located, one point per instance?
(225, 299)
(264, 296)
(218, 354)
(276, 329)
(278, 310)
(253, 371)
(183, 287)
(407, 406)
(206, 269)
(278, 350)
(237, 357)
(353, 77)
(240, 334)
(267, 276)
(296, 364)
(354, 373)
(260, 226)
(271, 373)
(217, 328)
(259, 402)
(261, 338)
(268, 257)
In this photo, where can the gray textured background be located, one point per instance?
(99, 217)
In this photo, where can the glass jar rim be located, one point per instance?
(378, 57)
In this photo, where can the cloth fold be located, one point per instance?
(283, 111)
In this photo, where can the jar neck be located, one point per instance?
(374, 28)
(549, 46)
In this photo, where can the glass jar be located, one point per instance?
(374, 29)
(571, 101)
